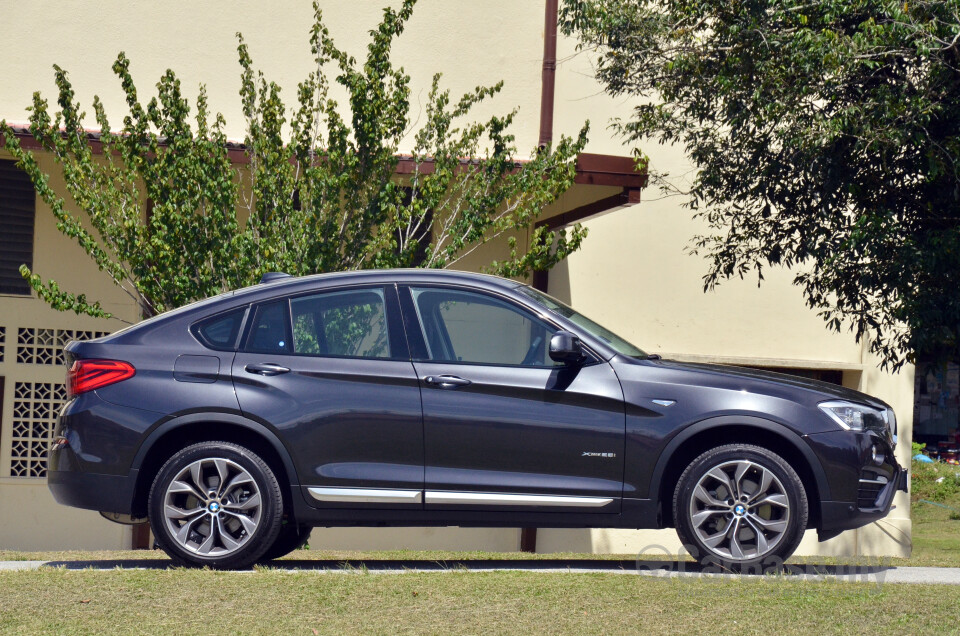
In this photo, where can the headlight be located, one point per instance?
(860, 417)
(892, 425)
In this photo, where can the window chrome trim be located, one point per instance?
(512, 499)
(366, 495)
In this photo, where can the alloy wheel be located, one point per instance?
(740, 510)
(212, 507)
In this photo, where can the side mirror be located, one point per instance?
(565, 347)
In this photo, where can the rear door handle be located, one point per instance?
(446, 381)
(266, 368)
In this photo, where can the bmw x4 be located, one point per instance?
(430, 398)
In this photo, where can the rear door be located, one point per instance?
(504, 425)
(330, 372)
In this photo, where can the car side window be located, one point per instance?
(463, 326)
(349, 323)
(221, 331)
(270, 332)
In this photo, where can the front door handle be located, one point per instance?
(446, 381)
(266, 368)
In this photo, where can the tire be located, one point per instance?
(215, 504)
(717, 515)
(292, 537)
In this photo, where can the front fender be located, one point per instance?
(739, 427)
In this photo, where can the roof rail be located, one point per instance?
(269, 277)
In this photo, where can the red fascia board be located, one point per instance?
(592, 169)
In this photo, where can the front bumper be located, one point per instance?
(874, 501)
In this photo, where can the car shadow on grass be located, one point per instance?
(625, 566)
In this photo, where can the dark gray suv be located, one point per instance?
(434, 398)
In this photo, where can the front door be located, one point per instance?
(331, 373)
(504, 425)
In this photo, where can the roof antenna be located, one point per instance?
(269, 277)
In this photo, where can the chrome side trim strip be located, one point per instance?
(512, 499)
(367, 495)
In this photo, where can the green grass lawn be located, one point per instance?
(936, 529)
(272, 601)
(269, 600)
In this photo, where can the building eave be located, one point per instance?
(591, 169)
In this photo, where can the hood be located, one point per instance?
(757, 378)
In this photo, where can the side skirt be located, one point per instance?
(636, 513)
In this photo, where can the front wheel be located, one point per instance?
(215, 504)
(741, 506)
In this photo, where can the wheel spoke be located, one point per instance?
(776, 500)
(703, 515)
(196, 475)
(735, 550)
(770, 524)
(223, 472)
(718, 474)
(766, 479)
(713, 540)
(225, 538)
(184, 487)
(183, 534)
(252, 502)
(173, 512)
(701, 493)
(248, 524)
(240, 478)
(762, 545)
(740, 473)
(211, 539)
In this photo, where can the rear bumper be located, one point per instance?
(104, 493)
(838, 516)
(73, 486)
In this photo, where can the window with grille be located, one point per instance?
(45, 346)
(17, 208)
(35, 408)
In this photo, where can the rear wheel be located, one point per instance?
(741, 506)
(215, 504)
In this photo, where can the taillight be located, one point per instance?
(87, 375)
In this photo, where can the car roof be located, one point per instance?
(294, 284)
(411, 275)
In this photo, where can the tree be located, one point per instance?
(825, 138)
(166, 213)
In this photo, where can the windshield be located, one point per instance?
(597, 331)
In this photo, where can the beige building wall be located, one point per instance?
(33, 371)
(633, 273)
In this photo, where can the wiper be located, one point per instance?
(653, 356)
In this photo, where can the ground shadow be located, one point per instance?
(570, 565)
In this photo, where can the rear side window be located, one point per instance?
(270, 332)
(220, 331)
(351, 323)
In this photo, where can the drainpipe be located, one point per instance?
(549, 73)
(528, 536)
(547, 84)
